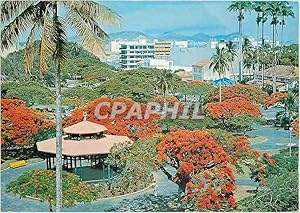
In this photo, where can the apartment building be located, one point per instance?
(162, 49)
(133, 52)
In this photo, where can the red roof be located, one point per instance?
(202, 63)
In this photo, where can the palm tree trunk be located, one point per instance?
(262, 34)
(232, 71)
(220, 93)
(240, 52)
(275, 59)
(262, 76)
(220, 90)
(257, 59)
(282, 26)
(58, 117)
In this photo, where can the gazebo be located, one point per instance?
(85, 146)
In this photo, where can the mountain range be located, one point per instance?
(170, 35)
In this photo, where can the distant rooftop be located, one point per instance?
(283, 71)
(190, 56)
(202, 63)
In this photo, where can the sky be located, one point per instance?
(209, 17)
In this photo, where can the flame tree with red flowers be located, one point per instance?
(204, 161)
(239, 91)
(295, 126)
(274, 98)
(233, 114)
(135, 127)
(19, 123)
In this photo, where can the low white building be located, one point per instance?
(181, 44)
(163, 64)
(201, 71)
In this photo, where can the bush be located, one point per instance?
(41, 184)
(189, 124)
(136, 165)
(281, 192)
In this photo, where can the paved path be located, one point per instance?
(276, 138)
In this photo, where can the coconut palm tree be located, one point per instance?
(74, 49)
(274, 9)
(232, 54)
(219, 63)
(248, 54)
(286, 11)
(240, 7)
(260, 7)
(164, 84)
(44, 19)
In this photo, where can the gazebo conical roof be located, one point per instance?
(84, 128)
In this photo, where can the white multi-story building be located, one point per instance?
(133, 52)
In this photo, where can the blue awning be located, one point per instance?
(223, 82)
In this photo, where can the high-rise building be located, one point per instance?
(133, 52)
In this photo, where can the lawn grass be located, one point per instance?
(257, 139)
(243, 192)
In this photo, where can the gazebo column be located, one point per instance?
(108, 170)
(49, 161)
(47, 164)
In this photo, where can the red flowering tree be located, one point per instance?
(204, 161)
(239, 91)
(295, 126)
(136, 127)
(274, 98)
(198, 83)
(227, 109)
(19, 123)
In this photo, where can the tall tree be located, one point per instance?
(220, 60)
(286, 11)
(240, 7)
(164, 84)
(232, 53)
(274, 9)
(45, 18)
(248, 54)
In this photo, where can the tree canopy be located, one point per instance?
(41, 184)
(139, 84)
(78, 62)
(19, 123)
(31, 92)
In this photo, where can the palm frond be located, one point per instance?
(91, 35)
(60, 39)
(47, 46)
(28, 50)
(94, 10)
(11, 9)
(11, 33)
